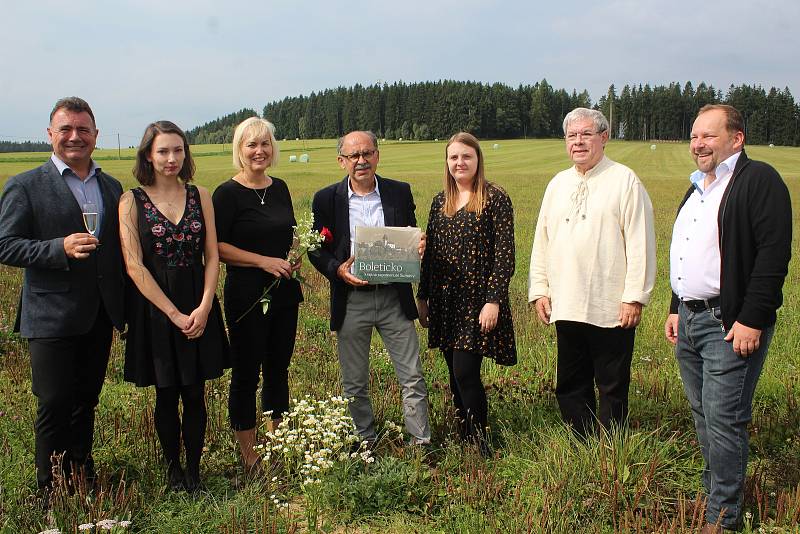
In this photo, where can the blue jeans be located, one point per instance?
(719, 385)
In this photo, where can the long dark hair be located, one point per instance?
(143, 169)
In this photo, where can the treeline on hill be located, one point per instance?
(219, 130)
(429, 110)
(24, 146)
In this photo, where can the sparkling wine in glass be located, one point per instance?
(90, 217)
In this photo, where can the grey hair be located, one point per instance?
(368, 133)
(599, 120)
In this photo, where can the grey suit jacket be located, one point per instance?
(60, 296)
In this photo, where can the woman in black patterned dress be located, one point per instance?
(176, 338)
(463, 291)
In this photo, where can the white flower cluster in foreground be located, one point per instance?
(312, 437)
(306, 239)
(103, 524)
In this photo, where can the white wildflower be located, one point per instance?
(107, 524)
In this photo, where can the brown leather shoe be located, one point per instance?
(712, 528)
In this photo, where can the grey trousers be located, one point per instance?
(381, 309)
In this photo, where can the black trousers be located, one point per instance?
(67, 375)
(589, 355)
(469, 395)
(261, 344)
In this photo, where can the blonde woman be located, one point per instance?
(254, 225)
(463, 291)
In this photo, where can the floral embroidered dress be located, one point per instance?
(156, 351)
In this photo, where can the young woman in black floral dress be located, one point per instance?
(463, 290)
(176, 338)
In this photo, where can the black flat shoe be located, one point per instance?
(176, 479)
(192, 480)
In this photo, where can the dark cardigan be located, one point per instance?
(755, 239)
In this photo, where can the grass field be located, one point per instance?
(644, 480)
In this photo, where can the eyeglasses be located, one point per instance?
(355, 156)
(574, 136)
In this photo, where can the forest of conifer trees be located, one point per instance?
(436, 110)
(24, 146)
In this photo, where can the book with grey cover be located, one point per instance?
(387, 254)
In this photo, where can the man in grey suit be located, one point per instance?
(73, 289)
(363, 198)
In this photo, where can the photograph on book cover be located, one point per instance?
(387, 254)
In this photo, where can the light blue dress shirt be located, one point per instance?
(365, 210)
(84, 191)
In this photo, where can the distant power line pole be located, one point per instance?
(119, 148)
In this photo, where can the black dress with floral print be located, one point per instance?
(179, 245)
(156, 351)
(469, 261)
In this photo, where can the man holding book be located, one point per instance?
(365, 199)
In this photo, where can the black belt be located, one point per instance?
(370, 287)
(701, 305)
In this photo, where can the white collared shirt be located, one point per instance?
(364, 210)
(694, 257)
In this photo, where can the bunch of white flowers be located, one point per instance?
(312, 437)
(306, 239)
(104, 524)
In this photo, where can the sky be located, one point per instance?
(191, 62)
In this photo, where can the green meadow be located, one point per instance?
(645, 479)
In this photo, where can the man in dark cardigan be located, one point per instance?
(728, 260)
(73, 289)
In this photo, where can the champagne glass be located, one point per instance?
(90, 216)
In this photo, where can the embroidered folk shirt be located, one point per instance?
(594, 245)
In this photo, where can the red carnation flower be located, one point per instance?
(326, 234)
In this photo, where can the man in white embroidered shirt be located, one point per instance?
(593, 267)
(729, 256)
